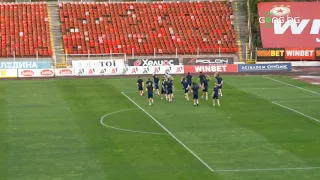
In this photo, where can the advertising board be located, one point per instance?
(178, 69)
(64, 72)
(119, 63)
(22, 73)
(264, 67)
(25, 65)
(98, 71)
(289, 24)
(270, 54)
(154, 62)
(300, 54)
(211, 68)
(317, 54)
(8, 73)
(208, 60)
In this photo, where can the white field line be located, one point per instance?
(267, 169)
(301, 100)
(174, 137)
(313, 92)
(126, 130)
(296, 112)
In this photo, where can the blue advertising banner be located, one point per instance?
(264, 67)
(25, 64)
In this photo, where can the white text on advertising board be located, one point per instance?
(210, 68)
(18, 65)
(302, 53)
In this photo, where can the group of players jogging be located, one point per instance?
(167, 88)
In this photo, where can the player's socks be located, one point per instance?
(207, 97)
(214, 104)
(161, 98)
(151, 100)
(218, 102)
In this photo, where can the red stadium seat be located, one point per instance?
(24, 30)
(140, 28)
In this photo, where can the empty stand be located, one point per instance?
(24, 30)
(142, 27)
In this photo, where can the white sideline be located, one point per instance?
(267, 169)
(174, 137)
(291, 85)
(296, 111)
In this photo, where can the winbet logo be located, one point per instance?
(278, 15)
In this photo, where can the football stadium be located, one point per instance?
(159, 90)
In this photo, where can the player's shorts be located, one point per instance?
(163, 91)
(195, 96)
(169, 91)
(215, 96)
(157, 86)
(140, 88)
(186, 91)
(220, 87)
(150, 95)
(205, 89)
(189, 82)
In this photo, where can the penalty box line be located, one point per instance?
(313, 92)
(172, 135)
(317, 120)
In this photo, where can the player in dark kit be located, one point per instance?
(219, 81)
(195, 90)
(149, 81)
(201, 77)
(205, 87)
(170, 89)
(186, 87)
(149, 89)
(164, 89)
(140, 84)
(156, 83)
(215, 94)
(189, 78)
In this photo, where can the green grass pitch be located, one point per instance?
(51, 130)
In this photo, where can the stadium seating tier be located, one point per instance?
(24, 30)
(141, 28)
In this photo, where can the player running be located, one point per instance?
(219, 81)
(140, 84)
(215, 94)
(164, 89)
(149, 89)
(201, 77)
(156, 84)
(170, 89)
(189, 78)
(186, 87)
(195, 90)
(205, 86)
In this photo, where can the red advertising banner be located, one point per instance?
(300, 54)
(211, 68)
(289, 24)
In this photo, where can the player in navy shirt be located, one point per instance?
(149, 89)
(156, 83)
(219, 82)
(186, 87)
(164, 89)
(140, 84)
(215, 94)
(195, 90)
(189, 78)
(149, 81)
(170, 89)
(201, 77)
(205, 86)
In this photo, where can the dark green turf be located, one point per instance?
(50, 129)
